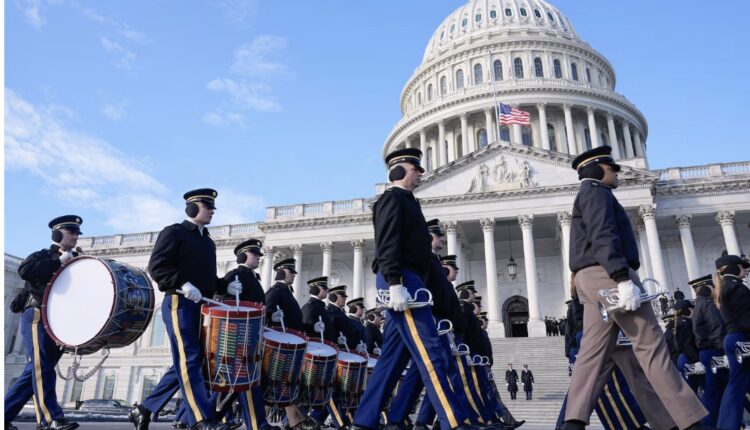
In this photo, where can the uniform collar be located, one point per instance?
(315, 298)
(595, 183)
(191, 225)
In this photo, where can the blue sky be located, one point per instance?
(113, 109)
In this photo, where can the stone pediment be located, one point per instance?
(503, 167)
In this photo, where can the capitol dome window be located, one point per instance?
(442, 35)
(518, 68)
(574, 71)
(453, 28)
(443, 86)
(538, 70)
(551, 136)
(505, 133)
(558, 69)
(419, 98)
(587, 138)
(588, 75)
(459, 79)
(537, 13)
(523, 12)
(508, 11)
(482, 138)
(526, 136)
(464, 21)
(551, 18)
(429, 93)
(478, 79)
(603, 139)
(493, 14)
(478, 17)
(497, 67)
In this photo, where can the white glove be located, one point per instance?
(319, 327)
(700, 368)
(341, 340)
(191, 292)
(399, 298)
(65, 256)
(629, 295)
(235, 287)
(277, 316)
(362, 348)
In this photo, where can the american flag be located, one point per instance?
(510, 115)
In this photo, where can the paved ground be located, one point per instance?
(167, 425)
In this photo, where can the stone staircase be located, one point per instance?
(546, 359)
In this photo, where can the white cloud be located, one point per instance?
(125, 57)
(250, 95)
(253, 59)
(32, 10)
(82, 169)
(120, 28)
(238, 11)
(223, 119)
(237, 207)
(115, 111)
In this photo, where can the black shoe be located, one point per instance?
(40, 426)
(574, 425)
(63, 424)
(9, 426)
(179, 425)
(699, 426)
(517, 424)
(140, 417)
(307, 424)
(394, 426)
(210, 425)
(419, 426)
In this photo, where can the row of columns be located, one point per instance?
(469, 144)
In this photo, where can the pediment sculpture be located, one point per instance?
(502, 175)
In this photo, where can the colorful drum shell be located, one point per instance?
(351, 378)
(283, 353)
(93, 303)
(318, 372)
(231, 345)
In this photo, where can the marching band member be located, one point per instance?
(183, 264)
(709, 331)
(336, 302)
(373, 325)
(684, 341)
(401, 261)
(314, 311)
(733, 298)
(356, 333)
(42, 354)
(604, 255)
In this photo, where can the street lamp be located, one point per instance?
(512, 266)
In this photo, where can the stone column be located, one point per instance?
(726, 220)
(628, 140)
(564, 220)
(517, 135)
(327, 248)
(648, 213)
(423, 144)
(536, 326)
(451, 234)
(645, 257)
(613, 137)
(465, 138)
(358, 279)
(490, 127)
(569, 132)
(267, 275)
(299, 294)
(639, 149)
(543, 125)
(442, 156)
(592, 128)
(688, 248)
(493, 307)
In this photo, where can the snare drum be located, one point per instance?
(93, 303)
(231, 336)
(283, 353)
(351, 377)
(318, 371)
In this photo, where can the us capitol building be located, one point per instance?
(504, 194)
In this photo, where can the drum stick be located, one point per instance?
(213, 302)
(237, 295)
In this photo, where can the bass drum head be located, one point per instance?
(79, 302)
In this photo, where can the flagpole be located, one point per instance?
(494, 97)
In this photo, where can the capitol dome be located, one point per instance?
(521, 53)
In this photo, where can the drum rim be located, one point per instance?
(212, 310)
(298, 333)
(361, 354)
(324, 342)
(83, 348)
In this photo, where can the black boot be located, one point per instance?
(574, 425)
(9, 426)
(179, 425)
(140, 417)
(63, 424)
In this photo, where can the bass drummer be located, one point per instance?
(42, 354)
(183, 263)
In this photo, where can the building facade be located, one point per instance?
(504, 194)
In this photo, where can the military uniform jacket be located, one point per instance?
(339, 321)
(486, 346)
(528, 379)
(312, 312)
(735, 305)
(181, 254)
(444, 298)
(511, 378)
(601, 233)
(472, 335)
(684, 339)
(374, 337)
(355, 333)
(574, 325)
(37, 270)
(402, 241)
(252, 291)
(280, 296)
(708, 326)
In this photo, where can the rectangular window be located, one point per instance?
(75, 392)
(158, 331)
(149, 383)
(108, 387)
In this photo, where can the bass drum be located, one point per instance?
(92, 303)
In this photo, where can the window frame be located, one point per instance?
(538, 67)
(478, 74)
(497, 70)
(518, 68)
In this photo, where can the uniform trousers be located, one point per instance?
(410, 334)
(713, 387)
(340, 418)
(182, 321)
(599, 342)
(694, 381)
(251, 405)
(733, 400)
(38, 377)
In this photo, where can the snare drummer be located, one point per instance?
(314, 314)
(604, 255)
(373, 325)
(183, 264)
(356, 335)
(42, 354)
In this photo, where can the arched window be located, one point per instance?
(464, 21)
(493, 14)
(537, 13)
(482, 137)
(419, 98)
(478, 74)
(158, 331)
(459, 79)
(443, 86)
(518, 68)
(587, 138)
(588, 75)
(523, 12)
(453, 27)
(478, 17)
(538, 69)
(551, 18)
(526, 136)
(505, 133)
(551, 135)
(497, 67)
(429, 93)
(558, 69)
(442, 35)
(574, 71)
(508, 11)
